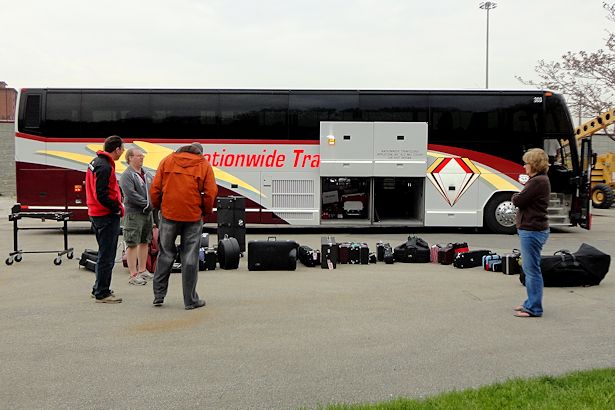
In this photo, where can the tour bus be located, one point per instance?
(328, 158)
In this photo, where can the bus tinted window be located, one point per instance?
(557, 117)
(393, 107)
(309, 109)
(192, 116)
(62, 115)
(464, 117)
(254, 116)
(124, 114)
(32, 120)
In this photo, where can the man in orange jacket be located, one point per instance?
(184, 189)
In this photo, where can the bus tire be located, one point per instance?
(499, 215)
(602, 196)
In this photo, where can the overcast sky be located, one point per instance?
(361, 44)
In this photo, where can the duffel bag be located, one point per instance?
(272, 254)
(470, 259)
(414, 250)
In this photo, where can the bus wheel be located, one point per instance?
(602, 196)
(500, 215)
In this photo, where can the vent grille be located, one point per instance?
(292, 194)
(296, 216)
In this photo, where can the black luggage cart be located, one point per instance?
(17, 214)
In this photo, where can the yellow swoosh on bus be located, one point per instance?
(497, 181)
(155, 154)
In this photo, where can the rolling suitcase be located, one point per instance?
(228, 253)
(308, 256)
(88, 259)
(380, 250)
(231, 217)
(343, 253)
(489, 260)
(470, 259)
(388, 256)
(511, 263)
(364, 254)
(433, 252)
(354, 254)
(446, 255)
(329, 250)
(272, 254)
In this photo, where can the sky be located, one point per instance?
(290, 44)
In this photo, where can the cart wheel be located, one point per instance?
(18, 258)
(69, 255)
(9, 261)
(57, 261)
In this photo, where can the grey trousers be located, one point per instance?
(190, 233)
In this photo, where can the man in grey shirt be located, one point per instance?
(138, 222)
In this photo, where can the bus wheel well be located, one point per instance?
(499, 214)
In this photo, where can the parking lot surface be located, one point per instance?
(283, 340)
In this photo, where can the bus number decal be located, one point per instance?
(537, 100)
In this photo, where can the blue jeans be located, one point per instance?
(107, 230)
(190, 233)
(531, 246)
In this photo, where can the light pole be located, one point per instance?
(487, 5)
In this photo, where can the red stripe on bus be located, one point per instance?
(464, 166)
(174, 140)
(442, 164)
(497, 163)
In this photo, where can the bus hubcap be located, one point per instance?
(505, 214)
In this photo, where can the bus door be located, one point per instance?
(372, 172)
(584, 190)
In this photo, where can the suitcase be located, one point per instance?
(414, 250)
(152, 251)
(228, 253)
(388, 256)
(88, 259)
(343, 253)
(488, 260)
(496, 266)
(511, 264)
(272, 254)
(355, 254)
(586, 267)
(329, 251)
(210, 258)
(446, 255)
(308, 256)
(470, 259)
(380, 250)
(364, 254)
(433, 252)
(231, 217)
(205, 240)
(461, 247)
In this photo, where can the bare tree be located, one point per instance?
(586, 78)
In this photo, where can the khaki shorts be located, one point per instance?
(137, 228)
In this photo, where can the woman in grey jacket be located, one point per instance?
(138, 222)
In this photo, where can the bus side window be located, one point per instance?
(33, 112)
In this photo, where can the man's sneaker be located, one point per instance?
(197, 305)
(110, 299)
(158, 301)
(146, 275)
(137, 280)
(93, 296)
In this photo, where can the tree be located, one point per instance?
(587, 78)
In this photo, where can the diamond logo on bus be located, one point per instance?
(452, 177)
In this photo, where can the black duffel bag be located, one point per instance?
(585, 267)
(414, 250)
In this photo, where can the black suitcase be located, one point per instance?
(363, 254)
(388, 256)
(88, 259)
(231, 218)
(228, 253)
(272, 254)
(380, 250)
(511, 263)
(308, 256)
(470, 259)
(446, 255)
(207, 259)
(585, 267)
(329, 250)
(343, 256)
(414, 250)
(355, 254)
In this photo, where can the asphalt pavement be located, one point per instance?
(285, 340)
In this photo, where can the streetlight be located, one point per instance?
(487, 5)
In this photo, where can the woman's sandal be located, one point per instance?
(523, 313)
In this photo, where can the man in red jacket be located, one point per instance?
(184, 189)
(105, 209)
